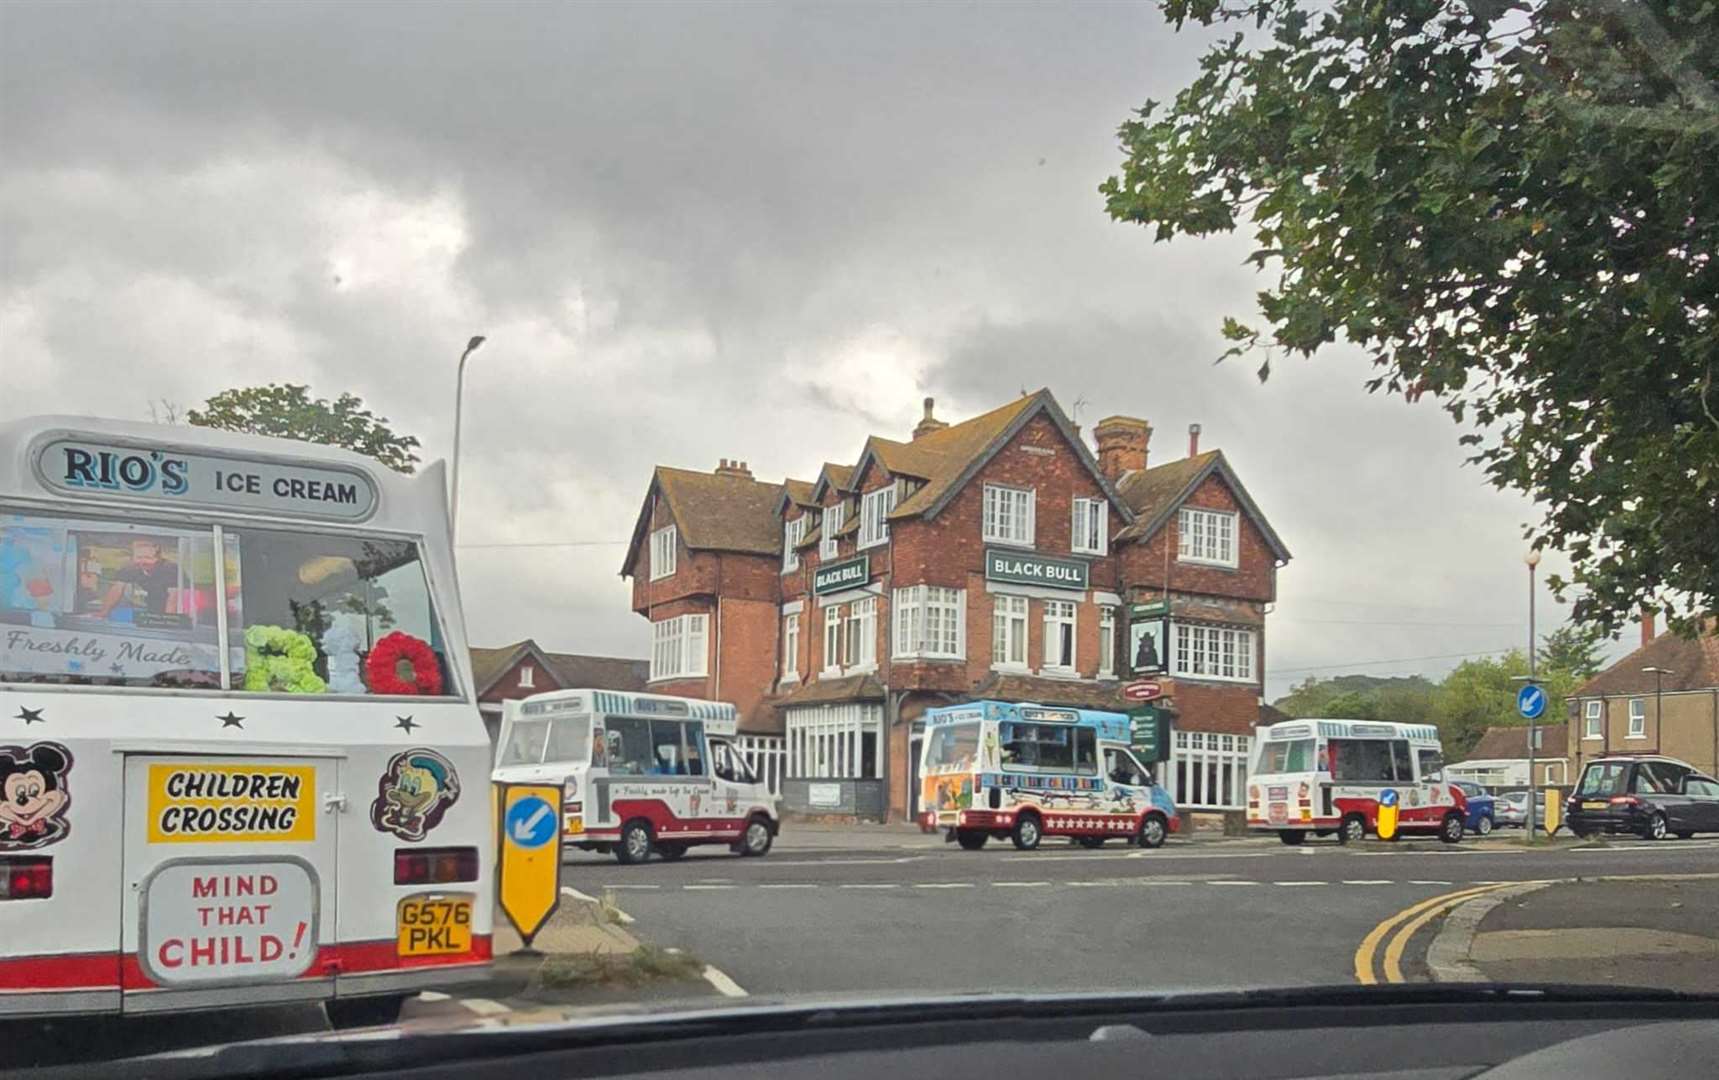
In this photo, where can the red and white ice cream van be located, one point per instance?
(241, 763)
(1333, 777)
(641, 774)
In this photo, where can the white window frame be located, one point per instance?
(791, 647)
(1009, 616)
(832, 639)
(680, 648)
(1090, 528)
(1593, 720)
(832, 525)
(1060, 614)
(1201, 764)
(861, 630)
(875, 507)
(929, 622)
(1010, 515)
(1637, 718)
(664, 543)
(828, 743)
(527, 677)
(793, 531)
(1218, 653)
(1206, 537)
(1106, 641)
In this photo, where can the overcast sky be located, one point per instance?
(690, 232)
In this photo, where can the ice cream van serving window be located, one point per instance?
(97, 601)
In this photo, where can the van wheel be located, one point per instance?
(757, 838)
(364, 1011)
(1027, 832)
(1353, 830)
(670, 852)
(1291, 837)
(1153, 831)
(971, 840)
(1450, 829)
(635, 845)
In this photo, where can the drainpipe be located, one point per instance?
(1716, 730)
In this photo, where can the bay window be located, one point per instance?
(791, 647)
(1091, 527)
(1008, 515)
(832, 525)
(862, 633)
(793, 531)
(662, 552)
(930, 621)
(1206, 536)
(874, 516)
(832, 639)
(1214, 652)
(678, 647)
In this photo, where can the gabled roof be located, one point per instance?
(1511, 743)
(796, 493)
(714, 512)
(569, 669)
(832, 476)
(1693, 663)
(1154, 494)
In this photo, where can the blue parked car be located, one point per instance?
(1480, 807)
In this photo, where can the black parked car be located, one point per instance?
(1648, 796)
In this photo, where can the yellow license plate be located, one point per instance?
(1593, 806)
(574, 825)
(435, 925)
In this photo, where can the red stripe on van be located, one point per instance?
(351, 958)
(73, 971)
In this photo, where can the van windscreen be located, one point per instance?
(1287, 756)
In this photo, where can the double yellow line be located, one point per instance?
(1401, 927)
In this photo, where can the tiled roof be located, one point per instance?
(715, 512)
(1079, 694)
(1693, 663)
(837, 476)
(822, 691)
(941, 458)
(1511, 743)
(799, 492)
(568, 669)
(1154, 494)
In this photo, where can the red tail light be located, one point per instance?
(434, 866)
(29, 877)
(1625, 800)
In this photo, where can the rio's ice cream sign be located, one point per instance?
(85, 467)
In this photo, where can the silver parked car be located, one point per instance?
(1511, 809)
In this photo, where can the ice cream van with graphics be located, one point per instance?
(1349, 778)
(240, 732)
(1021, 772)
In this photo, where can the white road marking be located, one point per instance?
(620, 916)
(690, 888)
(1018, 884)
(944, 885)
(1092, 884)
(1368, 881)
(1291, 884)
(432, 995)
(724, 985)
(1161, 881)
(873, 885)
(788, 885)
(1419, 881)
(484, 1006)
(617, 888)
(1233, 883)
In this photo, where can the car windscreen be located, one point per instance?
(952, 747)
(524, 744)
(1287, 756)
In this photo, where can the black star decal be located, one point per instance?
(30, 716)
(231, 721)
(406, 723)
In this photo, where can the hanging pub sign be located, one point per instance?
(1149, 733)
(1026, 568)
(1148, 642)
(168, 475)
(836, 576)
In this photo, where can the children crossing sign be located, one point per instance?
(529, 877)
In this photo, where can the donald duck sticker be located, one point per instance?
(414, 793)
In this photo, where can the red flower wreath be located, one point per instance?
(383, 666)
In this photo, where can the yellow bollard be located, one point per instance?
(1388, 813)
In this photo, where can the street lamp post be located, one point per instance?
(459, 401)
(1533, 561)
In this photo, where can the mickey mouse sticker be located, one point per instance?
(414, 793)
(35, 796)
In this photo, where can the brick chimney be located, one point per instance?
(1121, 445)
(1193, 440)
(733, 468)
(1647, 633)
(930, 423)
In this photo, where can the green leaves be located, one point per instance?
(1526, 233)
(287, 411)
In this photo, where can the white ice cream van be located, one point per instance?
(240, 759)
(641, 774)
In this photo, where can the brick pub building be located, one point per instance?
(998, 558)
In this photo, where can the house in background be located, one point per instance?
(523, 668)
(1618, 711)
(1500, 758)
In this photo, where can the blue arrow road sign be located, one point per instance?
(1388, 797)
(1530, 702)
(531, 823)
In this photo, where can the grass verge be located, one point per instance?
(646, 964)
